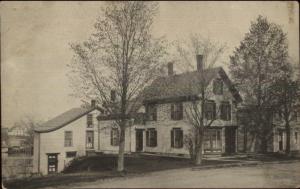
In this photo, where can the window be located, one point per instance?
(225, 111)
(114, 137)
(151, 138)
(176, 138)
(151, 112)
(90, 139)
(218, 87)
(212, 140)
(210, 110)
(71, 154)
(296, 137)
(177, 111)
(89, 120)
(68, 138)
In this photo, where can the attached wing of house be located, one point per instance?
(64, 119)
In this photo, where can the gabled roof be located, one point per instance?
(185, 85)
(64, 119)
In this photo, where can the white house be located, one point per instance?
(73, 133)
(163, 123)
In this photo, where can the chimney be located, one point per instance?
(93, 103)
(170, 69)
(113, 95)
(199, 58)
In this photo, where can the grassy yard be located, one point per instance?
(88, 169)
(102, 167)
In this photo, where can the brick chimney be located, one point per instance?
(170, 69)
(93, 103)
(113, 95)
(199, 58)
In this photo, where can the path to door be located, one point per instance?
(268, 175)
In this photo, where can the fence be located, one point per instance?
(16, 166)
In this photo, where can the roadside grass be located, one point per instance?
(269, 157)
(92, 168)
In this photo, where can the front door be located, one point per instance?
(52, 163)
(230, 138)
(139, 140)
(90, 139)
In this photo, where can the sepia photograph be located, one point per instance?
(150, 94)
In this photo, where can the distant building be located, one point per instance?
(14, 137)
(277, 140)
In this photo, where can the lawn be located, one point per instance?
(88, 169)
(102, 167)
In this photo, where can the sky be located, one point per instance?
(35, 38)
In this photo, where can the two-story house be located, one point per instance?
(162, 124)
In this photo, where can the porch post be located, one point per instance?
(236, 139)
(223, 139)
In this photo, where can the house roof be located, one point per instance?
(185, 85)
(64, 119)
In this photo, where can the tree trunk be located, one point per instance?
(264, 144)
(199, 145)
(121, 148)
(288, 138)
(253, 143)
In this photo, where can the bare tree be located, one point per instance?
(121, 56)
(207, 52)
(28, 123)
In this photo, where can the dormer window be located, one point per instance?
(225, 111)
(90, 120)
(218, 87)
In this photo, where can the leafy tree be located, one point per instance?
(121, 56)
(286, 93)
(255, 65)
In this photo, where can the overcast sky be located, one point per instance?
(35, 39)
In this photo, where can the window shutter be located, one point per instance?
(180, 110)
(215, 87)
(222, 111)
(229, 112)
(118, 136)
(172, 138)
(147, 112)
(155, 137)
(172, 111)
(155, 113)
(221, 86)
(111, 137)
(147, 138)
(180, 138)
(214, 110)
